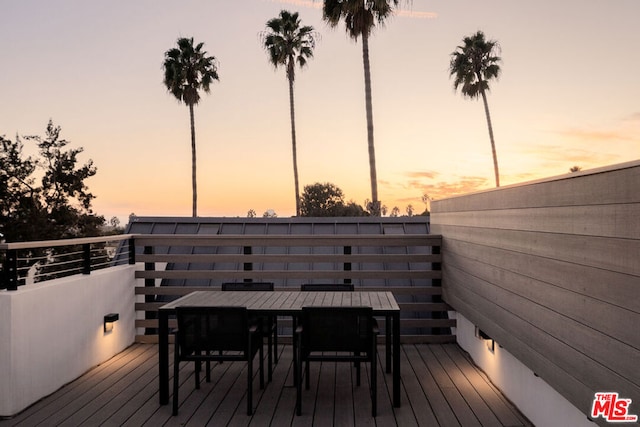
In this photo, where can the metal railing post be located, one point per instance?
(86, 258)
(132, 251)
(11, 270)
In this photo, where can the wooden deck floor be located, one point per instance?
(441, 387)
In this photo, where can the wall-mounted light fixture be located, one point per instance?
(490, 342)
(109, 319)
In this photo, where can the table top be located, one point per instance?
(283, 302)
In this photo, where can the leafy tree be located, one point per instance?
(45, 198)
(269, 213)
(426, 199)
(352, 209)
(360, 17)
(327, 200)
(474, 64)
(288, 43)
(409, 210)
(321, 200)
(187, 70)
(114, 222)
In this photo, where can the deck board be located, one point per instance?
(440, 387)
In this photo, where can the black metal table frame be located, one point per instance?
(391, 314)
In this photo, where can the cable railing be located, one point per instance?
(31, 262)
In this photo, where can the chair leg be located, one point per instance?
(374, 378)
(269, 358)
(249, 384)
(275, 339)
(261, 356)
(298, 377)
(374, 388)
(176, 382)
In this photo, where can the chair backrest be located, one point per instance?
(247, 286)
(328, 287)
(204, 329)
(343, 329)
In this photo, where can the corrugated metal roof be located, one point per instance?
(293, 226)
(280, 226)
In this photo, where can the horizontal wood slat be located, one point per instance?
(550, 269)
(184, 290)
(288, 274)
(395, 260)
(289, 258)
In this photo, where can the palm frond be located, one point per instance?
(188, 69)
(288, 43)
(360, 16)
(473, 64)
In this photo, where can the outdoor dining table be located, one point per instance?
(286, 303)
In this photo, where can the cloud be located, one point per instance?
(425, 182)
(422, 174)
(463, 185)
(570, 154)
(634, 117)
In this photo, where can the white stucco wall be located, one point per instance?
(52, 332)
(540, 403)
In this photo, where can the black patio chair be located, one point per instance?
(269, 323)
(216, 334)
(327, 287)
(339, 334)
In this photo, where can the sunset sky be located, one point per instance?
(568, 95)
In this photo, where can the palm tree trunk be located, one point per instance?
(493, 144)
(375, 205)
(193, 162)
(293, 145)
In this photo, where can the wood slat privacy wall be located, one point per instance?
(408, 265)
(551, 270)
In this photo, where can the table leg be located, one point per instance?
(163, 356)
(396, 360)
(294, 341)
(387, 333)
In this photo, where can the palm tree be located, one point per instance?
(187, 70)
(473, 64)
(360, 17)
(288, 43)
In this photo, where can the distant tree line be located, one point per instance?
(328, 200)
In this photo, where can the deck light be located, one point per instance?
(486, 338)
(108, 321)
